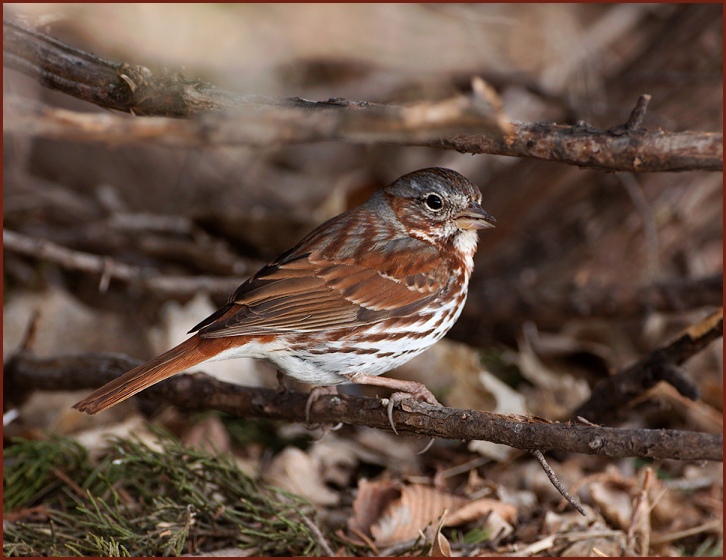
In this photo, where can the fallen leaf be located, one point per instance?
(417, 507)
(481, 508)
(614, 503)
(296, 471)
(370, 502)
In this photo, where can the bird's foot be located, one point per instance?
(417, 392)
(405, 390)
(315, 394)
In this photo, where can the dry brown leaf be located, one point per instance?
(417, 507)
(557, 392)
(440, 546)
(397, 453)
(480, 508)
(370, 502)
(209, 434)
(296, 471)
(451, 368)
(614, 503)
(555, 523)
(605, 546)
(65, 325)
(337, 461)
(699, 415)
(96, 439)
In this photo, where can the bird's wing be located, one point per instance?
(308, 292)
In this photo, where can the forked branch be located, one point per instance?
(471, 123)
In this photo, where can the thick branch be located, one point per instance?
(470, 124)
(625, 150)
(660, 365)
(25, 373)
(109, 84)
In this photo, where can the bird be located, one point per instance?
(361, 294)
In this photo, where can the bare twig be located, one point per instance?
(147, 278)
(25, 373)
(555, 481)
(660, 365)
(319, 537)
(635, 121)
(469, 124)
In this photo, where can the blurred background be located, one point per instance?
(558, 226)
(222, 211)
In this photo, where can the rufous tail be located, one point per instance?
(189, 353)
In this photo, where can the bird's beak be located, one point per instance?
(475, 217)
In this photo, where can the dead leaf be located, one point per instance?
(370, 502)
(337, 462)
(296, 471)
(208, 434)
(481, 508)
(417, 507)
(605, 546)
(614, 503)
(440, 546)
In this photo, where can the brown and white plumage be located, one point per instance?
(361, 294)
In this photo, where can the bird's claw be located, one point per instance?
(314, 395)
(420, 393)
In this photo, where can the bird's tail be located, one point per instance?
(187, 354)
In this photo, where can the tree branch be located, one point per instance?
(660, 365)
(25, 373)
(470, 124)
(108, 268)
(588, 147)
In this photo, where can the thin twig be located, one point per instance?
(555, 481)
(635, 121)
(715, 525)
(148, 278)
(319, 537)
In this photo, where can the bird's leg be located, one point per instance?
(315, 394)
(281, 383)
(405, 390)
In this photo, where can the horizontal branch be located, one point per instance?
(261, 126)
(468, 123)
(584, 146)
(25, 373)
(107, 268)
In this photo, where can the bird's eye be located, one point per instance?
(434, 202)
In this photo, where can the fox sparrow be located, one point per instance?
(363, 293)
